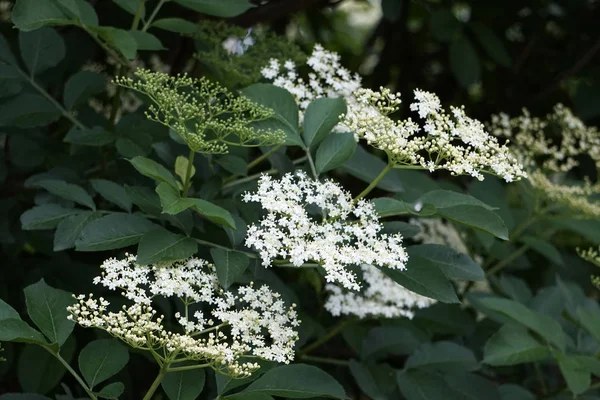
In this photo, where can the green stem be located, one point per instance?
(260, 159)
(188, 367)
(119, 58)
(138, 15)
(312, 164)
(161, 375)
(408, 166)
(258, 175)
(254, 162)
(55, 103)
(375, 182)
(153, 15)
(522, 226)
(218, 246)
(188, 174)
(505, 262)
(330, 335)
(325, 360)
(72, 372)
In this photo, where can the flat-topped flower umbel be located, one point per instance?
(217, 327)
(345, 233)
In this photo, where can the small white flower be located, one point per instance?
(347, 234)
(249, 322)
(381, 297)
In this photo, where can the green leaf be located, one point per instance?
(113, 231)
(146, 41)
(6, 54)
(81, 86)
(7, 312)
(181, 166)
(452, 263)
(514, 392)
(233, 164)
(69, 229)
(160, 245)
(131, 6)
(429, 385)
(101, 359)
(89, 137)
(423, 385)
(112, 391)
(335, 150)
(450, 198)
(184, 385)
(67, 191)
(28, 15)
(218, 8)
(131, 149)
(320, 117)
(48, 371)
(283, 104)
(588, 228)
(388, 207)
(41, 49)
(365, 166)
(577, 377)
(46, 216)
(112, 192)
(541, 324)
(230, 265)
(145, 198)
(297, 381)
(466, 210)
(544, 248)
(11, 82)
(464, 62)
(23, 396)
(172, 203)
(119, 39)
(445, 356)
(17, 330)
(513, 345)
(28, 110)
(589, 318)
(176, 25)
(491, 43)
(514, 288)
(424, 277)
(444, 26)
(81, 12)
(383, 341)
(446, 319)
(153, 170)
(364, 379)
(47, 308)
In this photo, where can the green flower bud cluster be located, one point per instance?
(240, 69)
(208, 117)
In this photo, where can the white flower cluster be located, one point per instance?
(250, 322)
(451, 141)
(381, 297)
(328, 78)
(552, 143)
(550, 147)
(344, 234)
